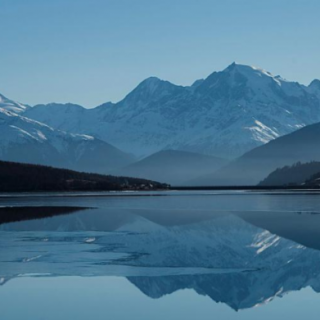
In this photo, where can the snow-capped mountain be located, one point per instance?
(226, 114)
(26, 140)
(11, 105)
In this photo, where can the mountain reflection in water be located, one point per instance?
(243, 258)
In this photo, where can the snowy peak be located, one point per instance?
(246, 70)
(243, 82)
(251, 72)
(232, 83)
(256, 92)
(11, 105)
(149, 90)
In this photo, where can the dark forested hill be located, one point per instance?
(15, 177)
(296, 174)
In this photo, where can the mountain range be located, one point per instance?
(225, 115)
(242, 114)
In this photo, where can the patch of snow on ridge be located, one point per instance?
(83, 137)
(38, 136)
(262, 133)
(11, 105)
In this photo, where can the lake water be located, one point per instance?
(161, 255)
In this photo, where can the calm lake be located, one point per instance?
(160, 255)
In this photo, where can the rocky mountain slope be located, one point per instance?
(29, 141)
(302, 145)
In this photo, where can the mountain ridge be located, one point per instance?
(29, 141)
(227, 114)
(11, 105)
(299, 146)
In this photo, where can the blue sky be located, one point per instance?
(93, 51)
